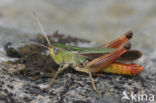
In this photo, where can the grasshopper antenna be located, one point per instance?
(39, 44)
(35, 15)
(36, 44)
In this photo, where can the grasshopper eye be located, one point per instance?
(50, 46)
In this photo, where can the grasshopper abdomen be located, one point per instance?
(124, 69)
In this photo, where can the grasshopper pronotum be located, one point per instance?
(106, 58)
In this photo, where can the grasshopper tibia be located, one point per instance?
(93, 84)
(91, 78)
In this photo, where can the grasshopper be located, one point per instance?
(108, 58)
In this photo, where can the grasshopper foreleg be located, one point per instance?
(60, 69)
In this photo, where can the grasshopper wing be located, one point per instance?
(83, 50)
(129, 56)
(98, 64)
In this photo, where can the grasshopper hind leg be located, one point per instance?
(93, 84)
(91, 78)
(60, 69)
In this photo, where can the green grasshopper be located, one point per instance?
(94, 60)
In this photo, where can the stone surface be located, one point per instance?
(99, 21)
